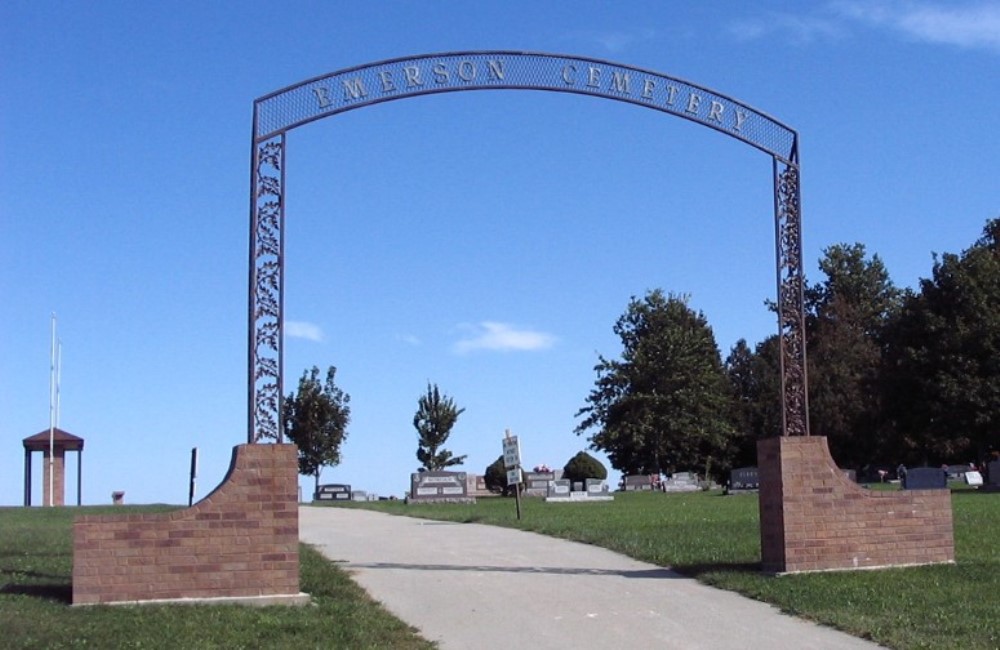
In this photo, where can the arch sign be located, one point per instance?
(276, 114)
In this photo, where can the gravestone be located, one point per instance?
(439, 487)
(993, 474)
(333, 492)
(743, 480)
(973, 478)
(925, 478)
(597, 487)
(638, 483)
(536, 484)
(359, 495)
(681, 482)
(559, 488)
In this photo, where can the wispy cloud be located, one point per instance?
(490, 335)
(974, 25)
(409, 339)
(969, 25)
(799, 29)
(303, 330)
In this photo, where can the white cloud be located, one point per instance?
(409, 339)
(490, 335)
(970, 25)
(800, 29)
(303, 330)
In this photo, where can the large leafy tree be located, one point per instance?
(755, 382)
(846, 316)
(315, 418)
(943, 374)
(436, 415)
(665, 405)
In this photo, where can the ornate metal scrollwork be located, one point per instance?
(266, 266)
(791, 307)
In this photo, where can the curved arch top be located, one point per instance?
(393, 79)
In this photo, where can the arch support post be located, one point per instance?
(267, 259)
(791, 300)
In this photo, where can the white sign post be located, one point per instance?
(512, 462)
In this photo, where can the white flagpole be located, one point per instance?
(52, 411)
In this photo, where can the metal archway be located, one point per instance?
(276, 114)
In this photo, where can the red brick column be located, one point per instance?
(813, 518)
(239, 542)
(58, 477)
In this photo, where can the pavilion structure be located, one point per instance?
(55, 442)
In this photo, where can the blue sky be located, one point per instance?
(485, 242)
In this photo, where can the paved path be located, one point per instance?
(475, 586)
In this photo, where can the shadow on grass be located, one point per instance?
(698, 570)
(62, 593)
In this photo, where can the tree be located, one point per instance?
(665, 405)
(755, 382)
(435, 417)
(315, 419)
(846, 317)
(495, 478)
(583, 466)
(943, 374)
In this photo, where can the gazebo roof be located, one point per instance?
(63, 440)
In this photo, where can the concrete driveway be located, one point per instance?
(474, 586)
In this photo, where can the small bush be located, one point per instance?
(584, 466)
(495, 477)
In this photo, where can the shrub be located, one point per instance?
(584, 466)
(495, 477)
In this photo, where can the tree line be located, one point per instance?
(907, 376)
(896, 375)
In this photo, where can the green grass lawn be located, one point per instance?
(716, 539)
(705, 535)
(36, 562)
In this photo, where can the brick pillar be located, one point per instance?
(59, 475)
(813, 518)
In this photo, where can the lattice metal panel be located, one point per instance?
(436, 73)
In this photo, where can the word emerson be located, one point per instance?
(411, 78)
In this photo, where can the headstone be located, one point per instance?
(744, 479)
(638, 483)
(925, 478)
(333, 492)
(973, 478)
(850, 474)
(118, 497)
(956, 472)
(559, 488)
(440, 487)
(359, 495)
(993, 472)
(597, 487)
(681, 482)
(536, 484)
